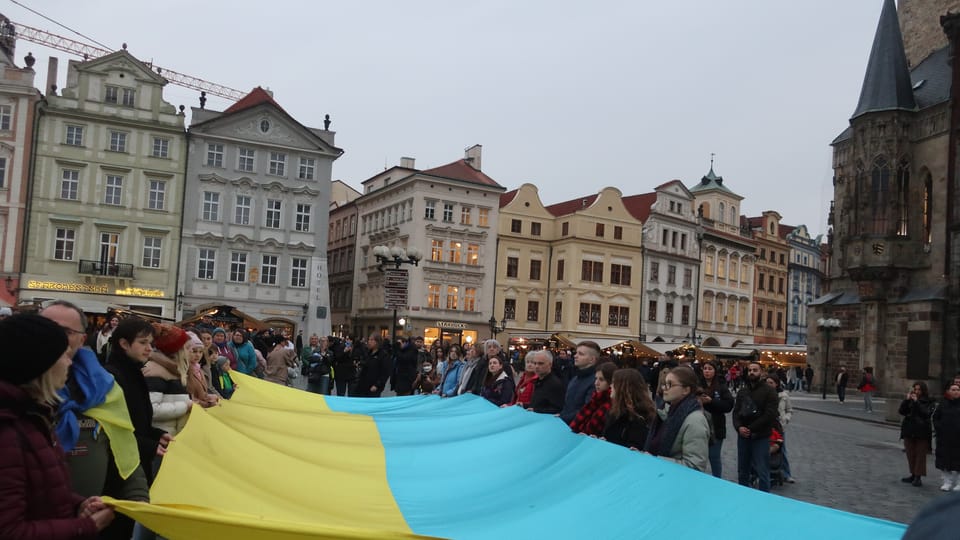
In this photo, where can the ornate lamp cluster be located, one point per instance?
(396, 256)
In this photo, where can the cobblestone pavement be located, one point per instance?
(847, 464)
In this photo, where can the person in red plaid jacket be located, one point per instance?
(591, 419)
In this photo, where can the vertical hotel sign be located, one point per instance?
(319, 298)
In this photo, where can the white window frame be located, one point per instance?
(3, 172)
(152, 251)
(6, 117)
(118, 141)
(246, 159)
(448, 212)
(302, 217)
(128, 97)
(73, 135)
(308, 167)
(211, 206)
(113, 190)
(273, 213)
(70, 184)
(430, 210)
(242, 209)
(157, 194)
(206, 263)
(64, 242)
(238, 267)
(298, 272)
(214, 155)
(161, 147)
(278, 164)
(269, 264)
(111, 94)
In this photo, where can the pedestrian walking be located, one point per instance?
(867, 386)
(842, 379)
(946, 423)
(915, 430)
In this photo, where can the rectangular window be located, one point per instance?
(600, 230)
(473, 254)
(771, 289)
(151, 251)
(589, 313)
(663, 241)
(74, 136)
(652, 310)
(118, 141)
(687, 278)
(6, 117)
(535, 228)
(565, 228)
(673, 239)
(246, 159)
(211, 206)
(298, 272)
(708, 265)
(453, 295)
(759, 318)
(560, 264)
(307, 168)
(668, 314)
(214, 155)
(161, 147)
(654, 272)
(591, 271)
(510, 309)
(779, 320)
(918, 353)
(3, 172)
(516, 226)
(671, 274)
(127, 97)
(535, 270)
(780, 285)
(272, 217)
(761, 282)
(683, 241)
(157, 196)
(302, 218)
(206, 263)
(770, 320)
(241, 214)
(456, 252)
(64, 244)
(238, 267)
(558, 312)
(278, 163)
(470, 299)
(533, 310)
(466, 215)
(684, 315)
(618, 316)
(113, 191)
(433, 296)
(617, 232)
(111, 94)
(70, 184)
(781, 259)
(763, 253)
(430, 210)
(436, 250)
(620, 274)
(268, 270)
(513, 264)
(484, 217)
(447, 213)
(109, 247)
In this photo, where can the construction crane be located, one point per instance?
(88, 52)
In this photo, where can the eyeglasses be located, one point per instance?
(669, 384)
(69, 330)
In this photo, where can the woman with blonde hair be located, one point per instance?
(35, 493)
(166, 376)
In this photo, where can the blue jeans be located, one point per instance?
(754, 454)
(716, 464)
(868, 401)
(786, 464)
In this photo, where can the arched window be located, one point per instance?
(903, 198)
(927, 209)
(879, 196)
(722, 211)
(733, 215)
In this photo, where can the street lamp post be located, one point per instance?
(397, 257)
(496, 327)
(827, 326)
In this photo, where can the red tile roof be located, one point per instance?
(786, 229)
(461, 170)
(507, 197)
(571, 206)
(256, 97)
(639, 205)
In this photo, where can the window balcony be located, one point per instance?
(102, 268)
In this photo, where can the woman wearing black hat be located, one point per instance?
(36, 501)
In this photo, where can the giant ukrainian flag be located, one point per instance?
(279, 463)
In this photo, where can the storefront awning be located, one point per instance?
(731, 352)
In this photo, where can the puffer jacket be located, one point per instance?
(916, 418)
(36, 501)
(169, 397)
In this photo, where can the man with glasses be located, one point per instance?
(94, 426)
(548, 391)
(754, 413)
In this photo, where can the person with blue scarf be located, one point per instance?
(94, 427)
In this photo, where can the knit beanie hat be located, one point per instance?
(169, 339)
(194, 340)
(31, 345)
(219, 331)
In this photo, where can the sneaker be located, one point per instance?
(790, 480)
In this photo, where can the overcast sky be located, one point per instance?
(569, 96)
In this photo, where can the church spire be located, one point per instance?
(886, 84)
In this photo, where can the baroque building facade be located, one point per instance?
(805, 275)
(893, 249)
(255, 224)
(770, 289)
(105, 207)
(341, 250)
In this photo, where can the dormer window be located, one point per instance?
(119, 96)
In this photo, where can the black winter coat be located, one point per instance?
(722, 403)
(137, 396)
(626, 430)
(375, 368)
(946, 421)
(766, 400)
(916, 418)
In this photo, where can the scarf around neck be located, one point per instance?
(663, 432)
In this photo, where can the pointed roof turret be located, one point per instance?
(886, 84)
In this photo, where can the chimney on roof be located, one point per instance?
(407, 162)
(52, 65)
(472, 156)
